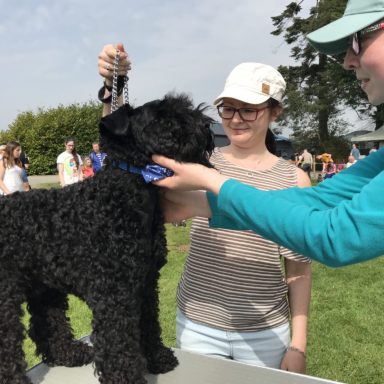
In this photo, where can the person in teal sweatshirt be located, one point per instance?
(340, 221)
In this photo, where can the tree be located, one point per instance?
(42, 134)
(318, 88)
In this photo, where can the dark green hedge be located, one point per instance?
(42, 133)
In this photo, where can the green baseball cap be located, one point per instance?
(333, 38)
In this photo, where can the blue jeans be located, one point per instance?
(264, 348)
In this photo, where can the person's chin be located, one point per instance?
(239, 140)
(376, 99)
(240, 134)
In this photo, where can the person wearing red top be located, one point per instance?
(87, 169)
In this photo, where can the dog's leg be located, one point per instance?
(160, 359)
(12, 362)
(51, 331)
(116, 337)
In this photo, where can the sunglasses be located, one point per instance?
(356, 37)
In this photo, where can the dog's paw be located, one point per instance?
(162, 361)
(74, 355)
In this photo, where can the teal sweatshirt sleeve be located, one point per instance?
(338, 223)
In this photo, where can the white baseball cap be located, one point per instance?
(253, 83)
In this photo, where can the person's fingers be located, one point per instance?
(105, 67)
(164, 161)
(164, 183)
(124, 67)
(120, 47)
(108, 53)
(107, 59)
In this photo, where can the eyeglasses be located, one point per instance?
(246, 114)
(356, 37)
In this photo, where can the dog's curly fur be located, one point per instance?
(102, 240)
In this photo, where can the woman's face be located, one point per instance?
(247, 133)
(369, 65)
(16, 152)
(69, 146)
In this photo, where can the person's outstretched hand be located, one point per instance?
(107, 59)
(189, 176)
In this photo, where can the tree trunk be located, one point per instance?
(323, 114)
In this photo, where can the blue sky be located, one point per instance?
(49, 48)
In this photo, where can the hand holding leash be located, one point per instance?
(107, 59)
(113, 65)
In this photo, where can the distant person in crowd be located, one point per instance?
(351, 161)
(340, 166)
(373, 149)
(355, 152)
(87, 168)
(24, 160)
(3, 147)
(24, 176)
(306, 162)
(298, 159)
(69, 164)
(97, 157)
(329, 169)
(292, 159)
(25, 165)
(11, 170)
(324, 157)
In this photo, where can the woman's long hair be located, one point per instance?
(9, 160)
(270, 141)
(74, 153)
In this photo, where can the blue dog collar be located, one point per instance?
(151, 172)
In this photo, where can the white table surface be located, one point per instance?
(192, 369)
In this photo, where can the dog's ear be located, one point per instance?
(116, 137)
(117, 123)
(207, 137)
(201, 141)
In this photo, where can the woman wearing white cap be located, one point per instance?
(232, 294)
(311, 221)
(232, 297)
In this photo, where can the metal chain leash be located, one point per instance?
(125, 90)
(115, 96)
(114, 104)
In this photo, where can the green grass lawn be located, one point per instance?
(345, 331)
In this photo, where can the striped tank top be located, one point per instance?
(234, 280)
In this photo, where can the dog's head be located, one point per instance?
(171, 127)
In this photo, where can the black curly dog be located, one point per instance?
(102, 240)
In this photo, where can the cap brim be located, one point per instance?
(244, 95)
(333, 38)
